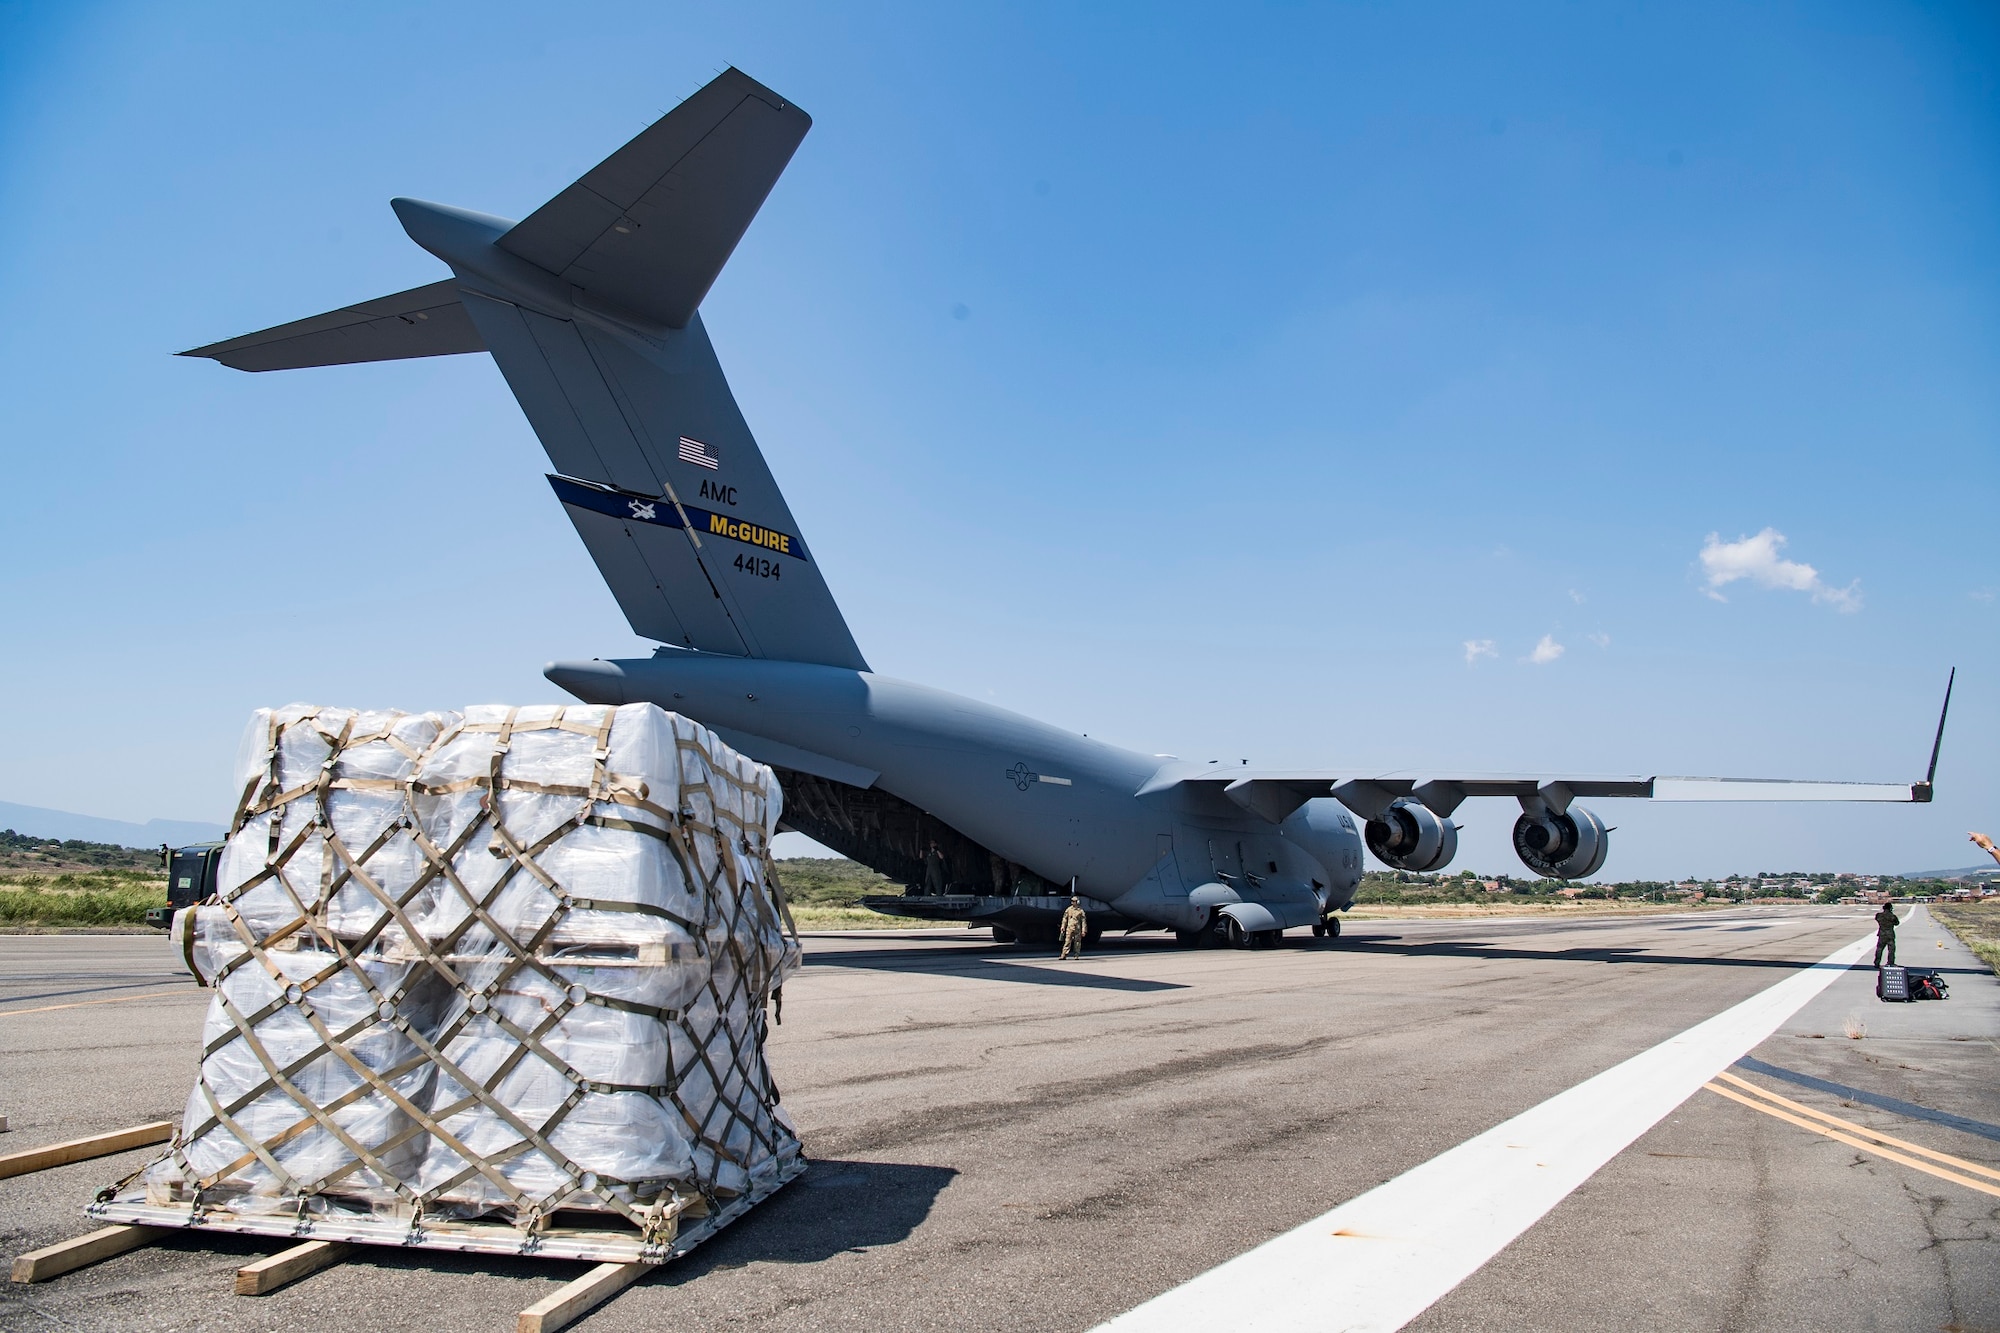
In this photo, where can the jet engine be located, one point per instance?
(1571, 845)
(1409, 836)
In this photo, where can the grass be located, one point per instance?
(81, 898)
(811, 881)
(1977, 926)
(825, 894)
(1509, 905)
(858, 918)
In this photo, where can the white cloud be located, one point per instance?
(1547, 651)
(1601, 640)
(1478, 648)
(1983, 595)
(1757, 559)
(1577, 597)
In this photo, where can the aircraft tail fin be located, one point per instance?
(588, 306)
(653, 461)
(665, 484)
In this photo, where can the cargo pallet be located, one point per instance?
(622, 1256)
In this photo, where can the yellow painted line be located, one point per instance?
(78, 1004)
(1850, 1126)
(1854, 1142)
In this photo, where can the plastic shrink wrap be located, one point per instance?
(510, 960)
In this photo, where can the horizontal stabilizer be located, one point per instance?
(424, 321)
(649, 228)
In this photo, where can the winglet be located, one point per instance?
(1921, 792)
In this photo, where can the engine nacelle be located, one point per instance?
(1566, 846)
(1409, 836)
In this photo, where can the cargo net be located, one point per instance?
(506, 962)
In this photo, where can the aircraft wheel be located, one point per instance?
(1319, 930)
(1231, 933)
(1091, 936)
(1266, 939)
(1002, 935)
(1333, 927)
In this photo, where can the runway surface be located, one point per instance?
(1004, 1141)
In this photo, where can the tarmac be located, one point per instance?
(1002, 1141)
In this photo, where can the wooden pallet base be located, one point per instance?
(622, 1257)
(617, 1247)
(579, 1298)
(288, 1266)
(70, 1255)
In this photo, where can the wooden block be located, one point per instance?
(3, 1124)
(80, 1150)
(41, 1265)
(579, 1298)
(267, 1275)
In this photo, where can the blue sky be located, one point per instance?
(1270, 382)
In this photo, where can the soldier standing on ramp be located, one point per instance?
(1074, 924)
(1885, 934)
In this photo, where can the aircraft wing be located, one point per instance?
(1275, 794)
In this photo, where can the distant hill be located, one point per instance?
(1987, 871)
(61, 826)
(820, 882)
(33, 854)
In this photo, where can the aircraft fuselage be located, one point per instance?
(1063, 805)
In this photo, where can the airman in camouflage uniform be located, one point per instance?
(1885, 934)
(1074, 925)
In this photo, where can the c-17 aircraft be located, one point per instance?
(590, 306)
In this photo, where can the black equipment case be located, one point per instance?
(1893, 984)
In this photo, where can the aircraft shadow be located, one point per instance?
(1624, 954)
(1896, 1104)
(983, 965)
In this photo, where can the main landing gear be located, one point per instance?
(1225, 932)
(1329, 928)
(1229, 934)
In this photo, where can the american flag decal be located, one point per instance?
(694, 451)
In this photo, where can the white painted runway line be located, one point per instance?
(1382, 1258)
